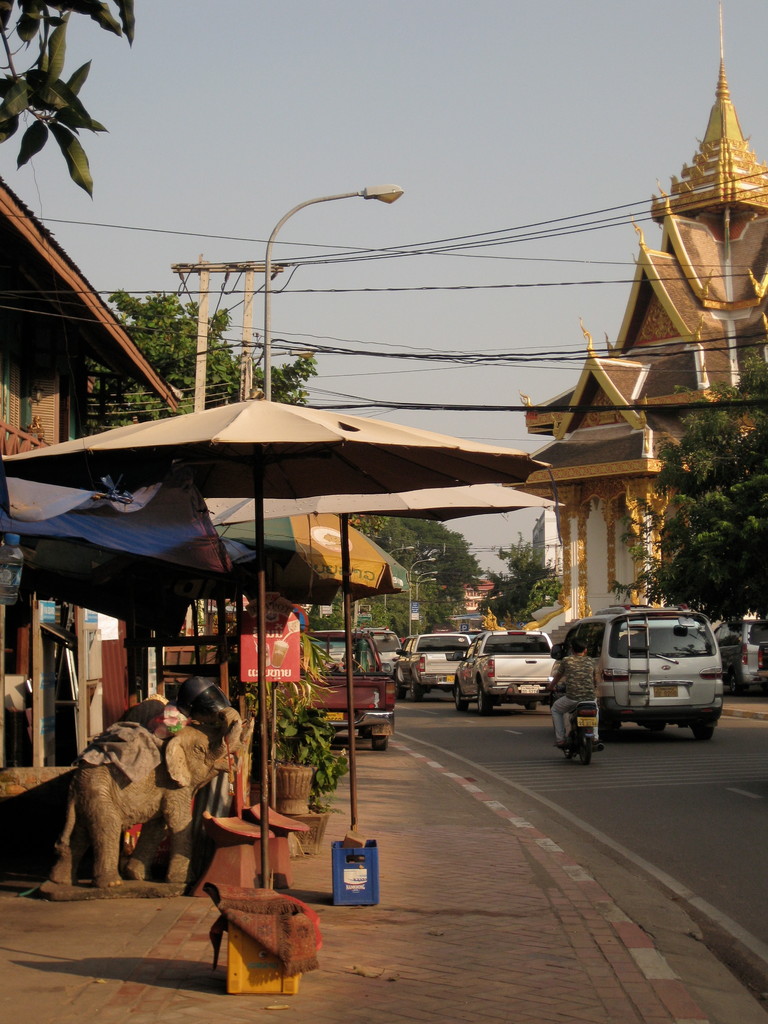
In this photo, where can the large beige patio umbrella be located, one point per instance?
(263, 449)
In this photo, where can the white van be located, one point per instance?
(656, 666)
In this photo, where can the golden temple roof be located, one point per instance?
(724, 171)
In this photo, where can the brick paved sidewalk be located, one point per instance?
(482, 918)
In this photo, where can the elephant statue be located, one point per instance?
(104, 801)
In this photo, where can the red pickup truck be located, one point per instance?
(374, 689)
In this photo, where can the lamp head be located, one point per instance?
(384, 193)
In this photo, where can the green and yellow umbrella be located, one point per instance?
(304, 558)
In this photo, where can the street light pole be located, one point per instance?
(384, 193)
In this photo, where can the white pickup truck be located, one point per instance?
(428, 661)
(504, 667)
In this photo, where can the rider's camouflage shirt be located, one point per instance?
(578, 673)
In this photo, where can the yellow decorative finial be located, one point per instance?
(590, 344)
(640, 234)
(661, 190)
(759, 288)
(526, 400)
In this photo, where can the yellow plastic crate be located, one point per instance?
(250, 968)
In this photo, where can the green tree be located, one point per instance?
(32, 89)
(439, 565)
(165, 330)
(713, 550)
(527, 585)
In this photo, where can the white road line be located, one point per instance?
(743, 792)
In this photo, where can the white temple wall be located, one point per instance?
(598, 593)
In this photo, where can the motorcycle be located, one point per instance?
(581, 736)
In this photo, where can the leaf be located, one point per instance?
(16, 100)
(8, 128)
(127, 17)
(74, 154)
(77, 80)
(57, 51)
(32, 141)
(28, 25)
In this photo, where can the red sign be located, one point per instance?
(283, 643)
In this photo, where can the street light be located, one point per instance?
(384, 193)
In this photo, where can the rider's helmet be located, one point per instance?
(199, 696)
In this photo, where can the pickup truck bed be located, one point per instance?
(374, 690)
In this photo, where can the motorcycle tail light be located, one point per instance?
(588, 713)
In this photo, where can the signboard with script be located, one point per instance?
(283, 643)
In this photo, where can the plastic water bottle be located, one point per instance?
(11, 564)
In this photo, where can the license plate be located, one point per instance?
(529, 688)
(334, 716)
(585, 723)
(665, 691)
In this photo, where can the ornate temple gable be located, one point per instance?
(541, 420)
(661, 307)
(597, 387)
(657, 324)
(723, 273)
(724, 172)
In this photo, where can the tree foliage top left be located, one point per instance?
(33, 88)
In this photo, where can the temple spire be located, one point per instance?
(724, 171)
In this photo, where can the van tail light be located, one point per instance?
(614, 676)
(490, 668)
(422, 664)
(745, 655)
(391, 692)
(711, 673)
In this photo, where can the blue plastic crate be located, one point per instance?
(355, 874)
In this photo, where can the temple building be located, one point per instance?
(697, 308)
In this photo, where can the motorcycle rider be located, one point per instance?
(577, 673)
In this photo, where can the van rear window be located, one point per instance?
(661, 638)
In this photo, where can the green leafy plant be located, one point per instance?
(37, 92)
(304, 736)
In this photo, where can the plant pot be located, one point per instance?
(311, 842)
(292, 786)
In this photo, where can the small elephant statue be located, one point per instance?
(104, 802)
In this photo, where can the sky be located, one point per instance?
(527, 138)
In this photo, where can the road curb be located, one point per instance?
(761, 716)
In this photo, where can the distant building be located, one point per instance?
(546, 540)
(474, 594)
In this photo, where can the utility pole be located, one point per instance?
(204, 270)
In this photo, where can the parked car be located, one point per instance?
(509, 666)
(387, 644)
(427, 662)
(655, 666)
(739, 641)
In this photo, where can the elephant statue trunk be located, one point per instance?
(105, 799)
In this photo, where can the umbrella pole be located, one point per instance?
(346, 575)
(261, 639)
